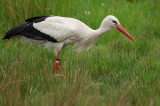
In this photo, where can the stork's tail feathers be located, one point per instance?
(14, 31)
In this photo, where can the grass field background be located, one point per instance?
(115, 71)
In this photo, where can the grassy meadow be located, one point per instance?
(115, 71)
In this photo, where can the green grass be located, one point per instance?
(115, 71)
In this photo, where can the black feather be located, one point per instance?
(27, 30)
(30, 32)
(36, 19)
(14, 31)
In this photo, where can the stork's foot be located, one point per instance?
(56, 66)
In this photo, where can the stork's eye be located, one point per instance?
(114, 22)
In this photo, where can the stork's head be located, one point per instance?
(111, 22)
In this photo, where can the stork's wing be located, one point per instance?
(53, 28)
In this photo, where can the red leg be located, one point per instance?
(56, 66)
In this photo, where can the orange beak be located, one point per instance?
(120, 28)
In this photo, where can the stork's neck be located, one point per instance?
(101, 30)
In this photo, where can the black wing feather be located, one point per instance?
(36, 19)
(29, 31)
(14, 31)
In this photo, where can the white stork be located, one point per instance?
(57, 32)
